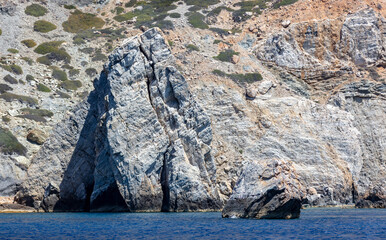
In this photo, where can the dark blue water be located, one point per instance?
(313, 224)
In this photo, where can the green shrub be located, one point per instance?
(4, 88)
(54, 53)
(240, 78)
(12, 50)
(6, 119)
(32, 117)
(44, 60)
(200, 3)
(21, 82)
(35, 10)
(119, 10)
(48, 47)
(284, 3)
(171, 43)
(59, 74)
(88, 50)
(29, 77)
(226, 56)
(164, 24)
(43, 26)
(215, 12)
(9, 97)
(192, 47)
(99, 56)
(1, 32)
(73, 72)
(63, 95)
(69, 7)
(37, 112)
(13, 68)
(28, 60)
(175, 15)
(197, 20)
(71, 85)
(30, 43)
(43, 88)
(10, 79)
(79, 21)
(67, 66)
(9, 143)
(91, 72)
(131, 3)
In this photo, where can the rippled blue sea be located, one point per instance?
(319, 223)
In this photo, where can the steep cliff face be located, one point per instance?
(140, 142)
(145, 141)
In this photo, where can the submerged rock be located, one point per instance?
(266, 191)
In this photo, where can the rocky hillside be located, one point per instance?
(178, 118)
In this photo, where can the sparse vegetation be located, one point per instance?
(63, 95)
(59, 74)
(32, 117)
(69, 7)
(12, 50)
(37, 112)
(99, 56)
(9, 97)
(91, 72)
(131, 3)
(29, 77)
(73, 72)
(48, 47)
(1, 31)
(197, 20)
(284, 3)
(36, 10)
(71, 85)
(4, 88)
(43, 26)
(79, 21)
(28, 60)
(119, 10)
(9, 143)
(6, 119)
(30, 43)
(8, 78)
(171, 43)
(200, 3)
(43, 88)
(192, 47)
(175, 15)
(240, 78)
(226, 56)
(13, 68)
(53, 53)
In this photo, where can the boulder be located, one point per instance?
(269, 190)
(36, 136)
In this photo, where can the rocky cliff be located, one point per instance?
(139, 143)
(194, 119)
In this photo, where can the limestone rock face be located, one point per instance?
(321, 49)
(139, 143)
(365, 100)
(269, 190)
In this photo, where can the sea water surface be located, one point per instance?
(316, 223)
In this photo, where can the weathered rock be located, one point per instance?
(265, 86)
(286, 23)
(314, 50)
(36, 136)
(266, 191)
(140, 142)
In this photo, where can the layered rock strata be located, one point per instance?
(139, 143)
(269, 190)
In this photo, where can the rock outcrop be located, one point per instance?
(269, 190)
(139, 143)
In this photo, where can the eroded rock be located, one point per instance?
(266, 191)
